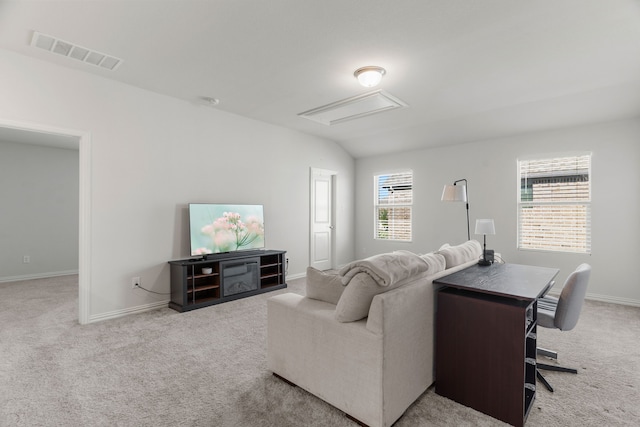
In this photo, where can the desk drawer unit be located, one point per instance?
(485, 353)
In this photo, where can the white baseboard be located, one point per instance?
(127, 311)
(613, 300)
(37, 276)
(148, 307)
(296, 276)
(606, 298)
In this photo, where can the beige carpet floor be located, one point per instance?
(208, 368)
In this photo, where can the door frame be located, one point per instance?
(84, 205)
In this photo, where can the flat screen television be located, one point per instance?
(218, 228)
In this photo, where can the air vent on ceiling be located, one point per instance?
(353, 108)
(70, 50)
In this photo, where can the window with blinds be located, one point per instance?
(393, 202)
(554, 204)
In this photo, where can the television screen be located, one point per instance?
(217, 228)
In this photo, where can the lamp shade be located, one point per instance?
(485, 226)
(454, 193)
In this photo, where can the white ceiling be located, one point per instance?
(469, 70)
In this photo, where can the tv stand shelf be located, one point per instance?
(233, 275)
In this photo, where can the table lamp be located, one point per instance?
(484, 227)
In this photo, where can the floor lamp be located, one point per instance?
(458, 193)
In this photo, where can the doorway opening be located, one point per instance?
(70, 139)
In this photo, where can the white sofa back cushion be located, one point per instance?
(436, 262)
(460, 254)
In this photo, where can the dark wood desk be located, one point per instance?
(486, 337)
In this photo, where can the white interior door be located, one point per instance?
(321, 221)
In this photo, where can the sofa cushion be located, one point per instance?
(460, 254)
(437, 262)
(323, 286)
(357, 296)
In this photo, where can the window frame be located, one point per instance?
(580, 246)
(377, 205)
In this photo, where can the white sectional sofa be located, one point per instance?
(366, 347)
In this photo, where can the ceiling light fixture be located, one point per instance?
(369, 76)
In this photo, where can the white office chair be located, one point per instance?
(562, 313)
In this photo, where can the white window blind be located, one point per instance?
(393, 203)
(554, 204)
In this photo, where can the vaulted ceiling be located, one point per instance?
(468, 70)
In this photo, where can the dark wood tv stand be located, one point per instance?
(191, 288)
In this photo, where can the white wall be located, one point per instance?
(490, 168)
(39, 211)
(151, 155)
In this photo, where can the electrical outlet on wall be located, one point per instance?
(135, 282)
(26, 259)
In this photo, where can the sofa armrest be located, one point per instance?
(404, 317)
(338, 362)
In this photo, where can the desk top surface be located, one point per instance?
(511, 280)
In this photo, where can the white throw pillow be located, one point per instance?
(323, 286)
(357, 296)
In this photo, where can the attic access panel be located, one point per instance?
(353, 108)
